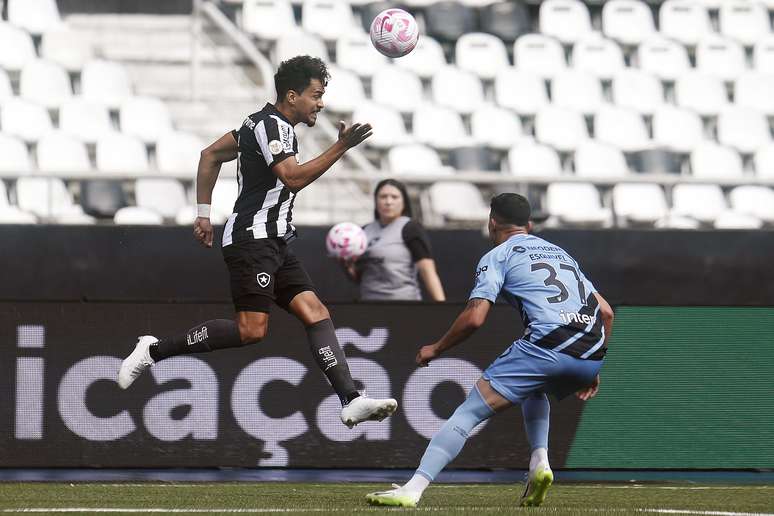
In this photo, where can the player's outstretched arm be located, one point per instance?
(472, 318)
(296, 176)
(223, 150)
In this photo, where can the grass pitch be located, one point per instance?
(346, 499)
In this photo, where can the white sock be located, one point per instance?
(539, 455)
(416, 485)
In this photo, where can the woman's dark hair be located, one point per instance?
(403, 192)
(296, 74)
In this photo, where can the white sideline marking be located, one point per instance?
(364, 509)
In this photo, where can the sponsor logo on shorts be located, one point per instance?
(275, 147)
(263, 279)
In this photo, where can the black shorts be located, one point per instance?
(264, 270)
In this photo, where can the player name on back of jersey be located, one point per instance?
(554, 253)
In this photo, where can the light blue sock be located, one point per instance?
(536, 410)
(450, 439)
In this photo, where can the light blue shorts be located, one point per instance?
(525, 369)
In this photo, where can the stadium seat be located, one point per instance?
(757, 201)
(34, 16)
(506, 20)
(84, 120)
(119, 153)
(45, 83)
(355, 52)
(344, 91)
(414, 159)
(106, 83)
(576, 204)
(327, 19)
(224, 195)
(101, 198)
(637, 90)
(44, 197)
(456, 89)
(639, 203)
(684, 21)
(11, 214)
(720, 57)
(712, 161)
(267, 19)
(753, 90)
(664, 58)
(476, 159)
(655, 161)
(622, 128)
(764, 161)
(531, 159)
(187, 215)
(630, 22)
(426, 59)
(598, 160)
(296, 42)
(598, 56)
(69, 49)
(447, 21)
(704, 94)
(538, 54)
(523, 92)
(6, 91)
(161, 195)
(24, 119)
(677, 129)
(396, 87)
(458, 202)
(178, 153)
(147, 118)
(681, 222)
(743, 129)
(481, 54)
(495, 128)
(735, 220)
(763, 55)
(137, 216)
(16, 159)
(370, 9)
(16, 47)
(578, 91)
(698, 201)
(439, 127)
(744, 21)
(563, 129)
(60, 154)
(566, 20)
(388, 125)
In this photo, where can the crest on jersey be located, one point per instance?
(263, 278)
(275, 147)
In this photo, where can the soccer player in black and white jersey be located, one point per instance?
(262, 266)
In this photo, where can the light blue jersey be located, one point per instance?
(557, 303)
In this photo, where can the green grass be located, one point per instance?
(345, 499)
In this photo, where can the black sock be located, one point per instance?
(331, 360)
(208, 336)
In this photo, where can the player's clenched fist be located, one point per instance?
(203, 231)
(426, 354)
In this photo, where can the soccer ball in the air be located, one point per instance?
(346, 240)
(394, 32)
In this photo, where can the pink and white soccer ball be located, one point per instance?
(394, 32)
(346, 240)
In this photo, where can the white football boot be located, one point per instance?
(538, 482)
(364, 408)
(396, 497)
(137, 362)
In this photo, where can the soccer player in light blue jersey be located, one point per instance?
(567, 326)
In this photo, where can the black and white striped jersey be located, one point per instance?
(264, 206)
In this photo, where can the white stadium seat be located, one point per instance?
(6, 91)
(578, 91)
(396, 87)
(763, 55)
(523, 92)
(495, 128)
(34, 16)
(84, 120)
(720, 57)
(414, 159)
(147, 118)
(744, 129)
(566, 20)
(355, 52)
(439, 127)
(538, 54)
(622, 128)
(701, 202)
(458, 201)
(529, 158)
(638, 90)
(664, 58)
(753, 90)
(69, 49)
(481, 54)
(106, 83)
(163, 195)
(44, 197)
(267, 19)
(11, 214)
(137, 216)
(187, 215)
(457, 89)
(598, 160)
(676, 129)
(61, 154)
(328, 19)
(757, 201)
(178, 153)
(296, 42)
(684, 21)
(640, 203)
(224, 195)
(344, 91)
(16, 160)
(16, 47)
(704, 94)
(45, 83)
(119, 153)
(598, 56)
(735, 220)
(712, 161)
(560, 128)
(764, 161)
(426, 59)
(24, 119)
(745, 21)
(630, 22)
(576, 204)
(388, 125)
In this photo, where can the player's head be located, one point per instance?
(391, 200)
(509, 211)
(300, 83)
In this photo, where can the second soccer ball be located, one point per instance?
(394, 33)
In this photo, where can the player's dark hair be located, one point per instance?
(403, 192)
(296, 74)
(511, 208)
